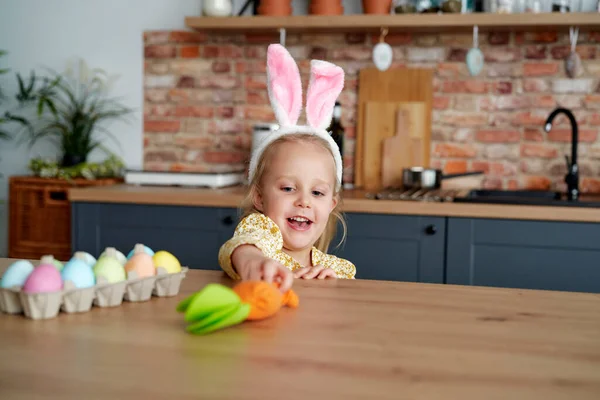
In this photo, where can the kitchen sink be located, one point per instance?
(524, 197)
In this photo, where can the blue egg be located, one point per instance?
(16, 274)
(85, 256)
(147, 250)
(79, 272)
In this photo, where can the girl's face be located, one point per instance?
(298, 192)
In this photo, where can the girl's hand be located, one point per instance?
(252, 265)
(318, 272)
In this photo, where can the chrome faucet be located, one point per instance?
(572, 177)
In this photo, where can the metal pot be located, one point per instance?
(428, 178)
(260, 132)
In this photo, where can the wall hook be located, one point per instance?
(282, 36)
(383, 34)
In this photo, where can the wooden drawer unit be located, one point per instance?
(40, 216)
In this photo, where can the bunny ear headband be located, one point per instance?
(285, 93)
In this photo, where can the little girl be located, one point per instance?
(290, 212)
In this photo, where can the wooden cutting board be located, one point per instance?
(393, 85)
(395, 139)
(396, 150)
(380, 124)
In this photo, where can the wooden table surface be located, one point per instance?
(347, 340)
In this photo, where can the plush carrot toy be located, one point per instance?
(217, 306)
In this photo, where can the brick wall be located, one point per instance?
(204, 93)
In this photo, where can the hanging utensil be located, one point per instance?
(382, 52)
(573, 65)
(474, 55)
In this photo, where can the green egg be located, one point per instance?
(59, 266)
(49, 259)
(110, 269)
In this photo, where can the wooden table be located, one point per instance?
(347, 340)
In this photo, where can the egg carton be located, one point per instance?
(41, 305)
(103, 294)
(167, 285)
(33, 305)
(10, 302)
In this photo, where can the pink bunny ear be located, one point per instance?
(284, 85)
(326, 84)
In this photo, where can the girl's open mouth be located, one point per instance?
(299, 223)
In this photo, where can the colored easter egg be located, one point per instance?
(112, 252)
(43, 279)
(16, 274)
(145, 248)
(79, 272)
(142, 264)
(85, 256)
(49, 259)
(110, 269)
(166, 260)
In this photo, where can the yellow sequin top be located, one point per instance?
(261, 231)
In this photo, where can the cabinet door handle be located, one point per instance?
(228, 220)
(430, 229)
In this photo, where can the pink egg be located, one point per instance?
(43, 279)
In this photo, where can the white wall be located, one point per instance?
(108, 35)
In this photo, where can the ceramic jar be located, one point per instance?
(326, 7)
(279, 8)
(377, 6)
(217, 8)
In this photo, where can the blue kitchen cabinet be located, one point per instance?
(524, 254)
(385, 247)
(394, 247)
(468, 251)
(193, 234)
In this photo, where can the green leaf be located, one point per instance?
(210, 299)
(232, 315)
(51, 106)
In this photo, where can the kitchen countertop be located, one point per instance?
(353, 201)
(348, 339)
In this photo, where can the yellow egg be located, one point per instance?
(167, 261)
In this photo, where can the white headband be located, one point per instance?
(285, 93)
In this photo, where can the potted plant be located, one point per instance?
(69, 109)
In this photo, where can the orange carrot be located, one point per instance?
(265, 299)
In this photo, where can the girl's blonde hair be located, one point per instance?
(247, 206)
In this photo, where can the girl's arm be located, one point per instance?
(248, 255)
(250, 264)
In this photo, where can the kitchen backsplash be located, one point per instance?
(203, 93)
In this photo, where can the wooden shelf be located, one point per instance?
(398, 23)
